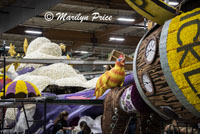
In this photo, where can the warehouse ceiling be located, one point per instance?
(91, 35)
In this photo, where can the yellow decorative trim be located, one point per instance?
(152, 11)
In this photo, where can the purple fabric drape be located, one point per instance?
(138, 102)
(25, 70)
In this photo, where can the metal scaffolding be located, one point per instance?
(3, 52)
(51, 61)
(10, 103)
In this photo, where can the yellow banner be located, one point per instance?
(183, 53)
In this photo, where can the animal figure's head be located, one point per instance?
(121, 60)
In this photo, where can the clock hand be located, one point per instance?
(148, 51)
(146, 83)
(152, 44)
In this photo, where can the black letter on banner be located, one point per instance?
(193, 72)
(189, 47)
(142, 6)
(189, 15)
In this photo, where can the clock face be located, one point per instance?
(147, 84)
(150, 51)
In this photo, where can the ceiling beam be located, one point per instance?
(112, 4)
(85, 37)
(108, 28)
(67, 35)
(4, 3)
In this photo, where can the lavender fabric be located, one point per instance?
(30, 88)
(11, 88)
(138, 102)
(25, 70)
(128, 80)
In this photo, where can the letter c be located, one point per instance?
(196, 21)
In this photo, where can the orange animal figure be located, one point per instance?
(110, 79)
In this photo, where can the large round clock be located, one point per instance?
(150, 51)
(148, 85)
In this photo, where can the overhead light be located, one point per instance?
(172, 3)
(33, 32)
(7, 47)
(83, 52)
(116, 39)
(126, 19)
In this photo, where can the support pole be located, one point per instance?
(4, 67)
(125, 131)
(145, 23)
(4, 81)
(26, 118)
(73, 62)
(186, 128)
(45, 113)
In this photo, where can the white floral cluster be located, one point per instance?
(91, 83)
(10, 115)
(41, 48)
(55, 71)
(44, 46)
(35, 44)
(51, 49)
(75, 81)
(60, 74)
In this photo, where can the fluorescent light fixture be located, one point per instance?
(126, 19)
(33, 32)
(116, 39)
(173, 3)
(83, 52)
(7, 47)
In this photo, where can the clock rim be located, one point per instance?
(156, 42)
(145, 90)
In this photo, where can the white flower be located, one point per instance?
(35, 44)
